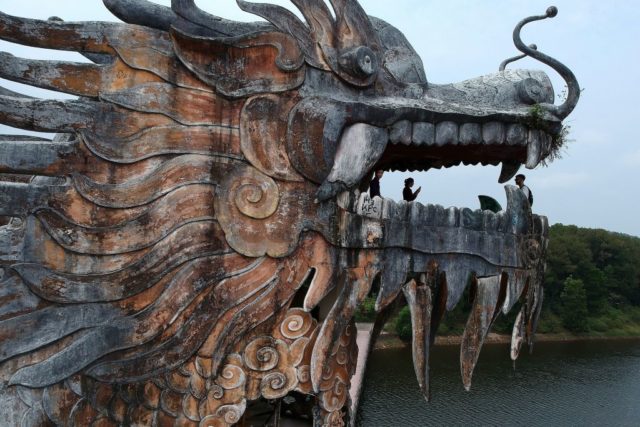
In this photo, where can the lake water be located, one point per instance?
(591, 383)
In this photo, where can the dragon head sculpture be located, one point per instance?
(195, 238)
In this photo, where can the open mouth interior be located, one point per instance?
(420, 146)
(458, 239)
(493, 256)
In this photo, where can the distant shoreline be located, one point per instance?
(389, 340)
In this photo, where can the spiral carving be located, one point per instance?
(255, 218)
(255, 195)
(335, 398)
(343, 356)
(304, 374)
(261, 354)
(327, 372)
(335, 419)
(345, 338)
(232, 413)
(274, 385)
(212, 421)
(531, 251)
(216, 392)
(296, 324)
(231, 377)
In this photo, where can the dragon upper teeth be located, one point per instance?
(470, 133)
(401, 132)
(493, 133)
(516, 134)
(509, 169)
(534, 149)
(451, 133)
(423, 133)
(446, 133)
(362, 145)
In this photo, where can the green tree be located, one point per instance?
(574, 303)
(403, 325)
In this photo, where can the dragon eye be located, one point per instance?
(359, 61)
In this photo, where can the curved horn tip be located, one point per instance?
(552, 11)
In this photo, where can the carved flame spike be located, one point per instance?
(478, 324)
(419, 295)
(355, 285)
(288, 23)
(518, 334)
(393, 277)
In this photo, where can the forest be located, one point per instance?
(592, 282)
(592, 287)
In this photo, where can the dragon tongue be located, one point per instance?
(360, 148)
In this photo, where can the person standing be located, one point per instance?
(407, 194)
(374, 185)
(526, 190)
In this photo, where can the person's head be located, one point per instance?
(408, 182)
(379, 173)
(520, 179)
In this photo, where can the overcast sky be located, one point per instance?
(594, 185)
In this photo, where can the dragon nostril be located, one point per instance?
(531, 91)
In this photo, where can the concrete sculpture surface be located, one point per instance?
(193, 244)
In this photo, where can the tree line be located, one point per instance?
(592, 282)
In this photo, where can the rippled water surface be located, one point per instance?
(583, 384)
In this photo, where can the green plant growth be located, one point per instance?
(574, 303)
(403, 324)
(366, 312)
(607, 264)
(555, 147)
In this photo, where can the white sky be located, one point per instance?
(596, 183)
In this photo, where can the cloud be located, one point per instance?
(561, 180)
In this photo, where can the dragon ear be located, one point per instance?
(262, 62)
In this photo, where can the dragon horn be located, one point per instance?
(560, 111)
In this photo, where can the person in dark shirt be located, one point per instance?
(374, 185)
(407, 194)
(526, 190)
